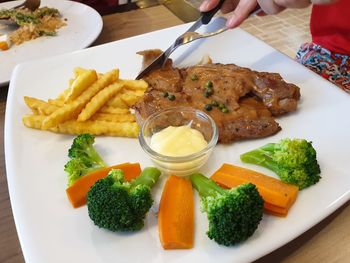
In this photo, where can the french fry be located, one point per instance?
(99, 100)
(93, 103)
(138, 93)
(72, 110)
(125, 98)
(130, 99)
(39, 106)
(117, 102)
(78, 71)
(62, 96)
(35, 122)
(112, 110)
(81, 83)
(113, 117)
(135, 84)
(122, 129)
(58, 102)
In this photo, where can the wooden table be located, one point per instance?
(326, 242)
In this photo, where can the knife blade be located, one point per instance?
(204, 19)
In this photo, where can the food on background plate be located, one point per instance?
(278, 196)
(93, 103)
(4, 42)
(117, 205)
(293, 160)
(77, 192)
(233, 214)
(176, 214)
(43, 21)
(242, 102)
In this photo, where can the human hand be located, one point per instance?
(242, 8)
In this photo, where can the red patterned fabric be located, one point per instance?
(330, 26)
(331, 66)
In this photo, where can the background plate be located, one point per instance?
(50, 230)
(84, 25)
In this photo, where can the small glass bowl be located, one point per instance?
(180, 116)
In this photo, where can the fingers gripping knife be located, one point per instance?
(187, 37)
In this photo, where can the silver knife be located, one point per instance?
(159, 61)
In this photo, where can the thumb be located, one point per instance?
(208, 5)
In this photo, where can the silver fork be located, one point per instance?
(188, 37)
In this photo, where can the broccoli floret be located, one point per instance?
(121, 206)
(84, 158)
(76, 168)
(293, 160)
(233, 214)
(82, 147)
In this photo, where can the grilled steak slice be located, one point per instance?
(251, 98)
(234, 82)
(280, 97)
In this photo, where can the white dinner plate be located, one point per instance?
(84, 25)
(50, 230)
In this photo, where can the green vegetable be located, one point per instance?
(233, 214)
(47, 33)
(208, 107)
(209, 84)
(194, 77)
(46, 11)
(171, 97)
(208, 92)
(293, 160)
(224, 110)
(6, 13)
(24, 16)
(83, 158)
(214, 103)
(22, 19)
(121, 206)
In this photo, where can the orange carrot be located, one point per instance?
(176, 214)
(278, 196)
(3, 45)
(77, 192)
(275, 210)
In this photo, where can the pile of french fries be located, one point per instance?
(99, 104)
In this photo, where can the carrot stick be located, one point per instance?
(275, 210)
(277, 195)
(77, 192)
(268, 208)
(176, 214)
